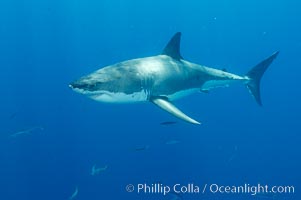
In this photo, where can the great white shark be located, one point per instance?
(162, 79)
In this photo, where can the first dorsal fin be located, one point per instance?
(172, 49)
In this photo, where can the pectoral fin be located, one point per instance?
(169, 107)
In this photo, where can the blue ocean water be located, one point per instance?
(51, 137)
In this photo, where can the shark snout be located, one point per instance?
(74, 85)
(78, 86)
(85, 85)
(81, 83)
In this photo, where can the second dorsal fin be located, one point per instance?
(172, 49)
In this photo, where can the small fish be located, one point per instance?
(74, 194)
(142, 148)
(96, 171)
(27, 131)
(204, 91)
(166, 123)
(169, 142)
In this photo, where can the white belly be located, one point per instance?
(110, 97)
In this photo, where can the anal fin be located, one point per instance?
(164, 104)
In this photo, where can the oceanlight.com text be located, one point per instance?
(251, 189)
(192, 188)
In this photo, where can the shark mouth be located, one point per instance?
(92, 94)
(112, 97)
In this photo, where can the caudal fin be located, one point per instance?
(255, 75)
